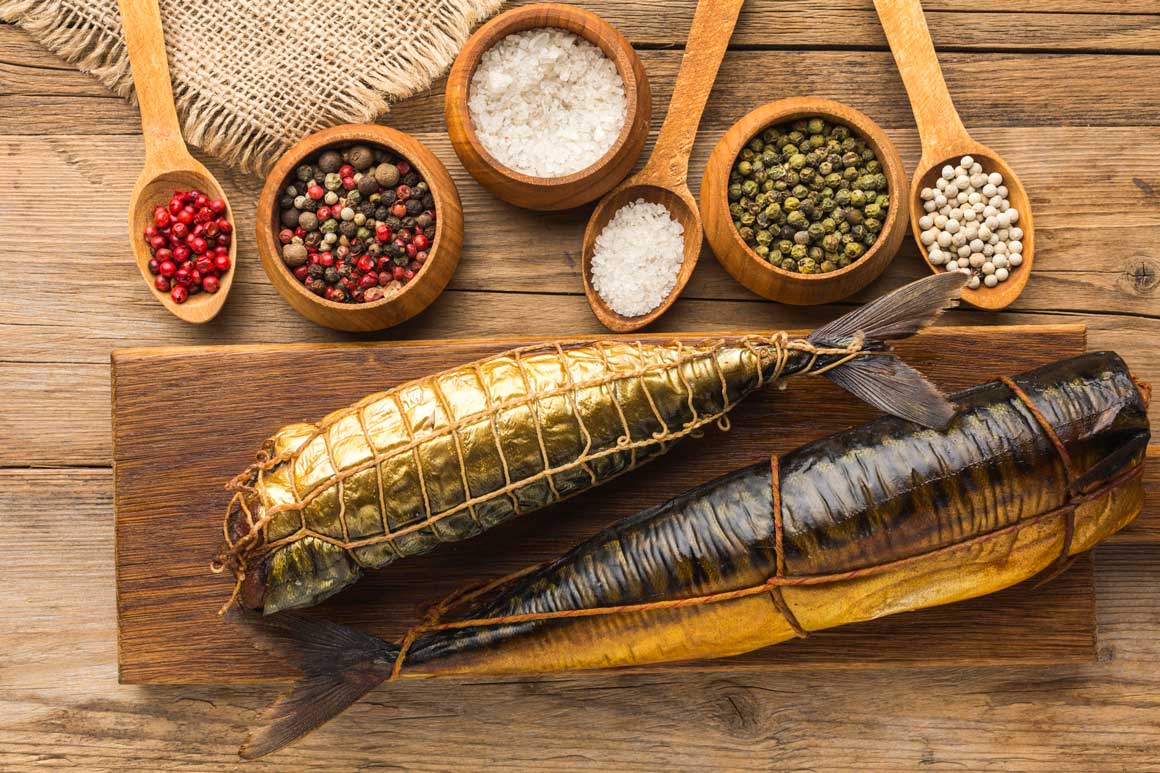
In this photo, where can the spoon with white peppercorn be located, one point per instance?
(993, 236)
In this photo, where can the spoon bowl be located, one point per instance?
(681, 207)
(155, 188)
(168, 165)
(926, 176)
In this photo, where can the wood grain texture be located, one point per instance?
(567, 191)
(168, 164)
(761, 276)
(64, 707)
(169, 521)
(420, 292)
(1064, 89)
(944, 138)
(665, 177)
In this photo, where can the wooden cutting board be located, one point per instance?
(170, 467)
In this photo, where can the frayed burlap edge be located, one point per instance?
(100, 51)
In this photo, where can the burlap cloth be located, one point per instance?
(251, 77)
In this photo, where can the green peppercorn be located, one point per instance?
(332, 181)
(809, 193)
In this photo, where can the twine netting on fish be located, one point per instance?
(251, 78)
(432, 622)
(768, 357)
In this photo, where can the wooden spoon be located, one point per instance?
(168, 165)
(945, 140)
(664, 179)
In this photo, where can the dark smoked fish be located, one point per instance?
(883, 518)
(443, 458)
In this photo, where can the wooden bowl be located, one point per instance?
(1003, 294)
(416, 295)
(759, 275)
(549, 193)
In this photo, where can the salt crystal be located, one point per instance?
(546, 102)
(637, 258)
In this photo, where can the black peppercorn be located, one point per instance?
(428, 201)
(347, 228)
(331, 275)
(290, 217)
(343, 269)
(360, 157)
(411, 179)
(315, 271)
(382, 213)
(414, 207)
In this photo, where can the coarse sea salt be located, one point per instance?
(637, 258)
(546, 102)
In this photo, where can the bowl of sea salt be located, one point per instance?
(548, 106)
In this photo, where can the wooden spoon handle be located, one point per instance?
(709, 36)
(938, 122)
(145, 43)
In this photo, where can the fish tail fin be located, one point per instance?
(882, 379)
(339, 665)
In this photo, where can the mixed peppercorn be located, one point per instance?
(356, 223)
(190, 244)
(808, 196)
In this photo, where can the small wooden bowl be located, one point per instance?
(416, 295)
(761, 276)
(549, 193)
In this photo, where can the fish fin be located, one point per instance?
(898, 314)
(1135, 444)
(890, 385)
(339, 666)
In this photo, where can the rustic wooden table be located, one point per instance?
(1067, 90)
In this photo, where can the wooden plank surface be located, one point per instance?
(169, 513)
(1067, 87)
(63, 707)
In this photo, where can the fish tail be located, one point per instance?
(339, 665)
(882, 379)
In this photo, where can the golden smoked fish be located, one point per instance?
(446, 457)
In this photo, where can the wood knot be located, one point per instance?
(738, 713)
(1141, 275)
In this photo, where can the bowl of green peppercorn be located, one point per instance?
(800, 201)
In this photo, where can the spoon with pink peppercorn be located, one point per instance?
(187, 265)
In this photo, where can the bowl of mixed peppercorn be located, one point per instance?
(359, 227)
(798, 201)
